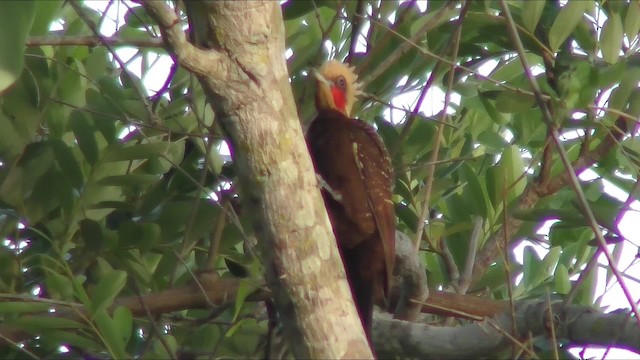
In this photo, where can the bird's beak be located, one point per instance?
(321, 78)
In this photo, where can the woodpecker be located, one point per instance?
(356, 178)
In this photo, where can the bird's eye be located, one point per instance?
(342, 83)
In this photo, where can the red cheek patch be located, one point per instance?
(339, 98)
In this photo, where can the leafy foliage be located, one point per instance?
(109, 191)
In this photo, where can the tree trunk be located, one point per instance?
(244, 74)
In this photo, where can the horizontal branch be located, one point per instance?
(151, 42)
(576, 325)
(211, 291)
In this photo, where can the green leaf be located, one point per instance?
(109, 333)
(16, 18)
(628, 83)
(36, 324)
(245, 289)
(12, 142)
(632, 21)
(71, 337)
(533, 270)
(79, 291)
(296, 9)
(123, 322)
(474, 193)
(137, 17)
(511, 69)
(491, 110)
(91, 232)
(508, 102)
(494, 278)
(59, 287)
(128, 180)
(531, 13)
(505, 181)
(513, 166)
(563, 234)
(84, 131)
(611, 39)
(17, 307)
(45, 13)
(586, 290)
(634, 104)
(107, 289)
(550, 261)
(73, 85)
(142, 151)
(67, 163)
(160, 347)
(144, 236)
(566, 22)
(493, 141)
(562, 281)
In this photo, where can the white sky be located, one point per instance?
(434, 101)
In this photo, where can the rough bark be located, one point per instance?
(576, 325)
(245, 78)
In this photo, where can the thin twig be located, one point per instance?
(424, 211)
(356, 27)
(19, 347)
(152, 322)
(465, 279)
(389, 105)
(212, 255)
(449, 262)
(428, 53)
(325, 33)
(584, 274)
(504, 254)
(392, 58)
(514, 340)
(415, 113)
(188, 244)
(554, 341)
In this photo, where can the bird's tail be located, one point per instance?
(362, 289)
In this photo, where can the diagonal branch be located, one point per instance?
(200, 62)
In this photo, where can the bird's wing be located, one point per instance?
(356, 170)
(376, 173)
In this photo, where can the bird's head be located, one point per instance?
(337, 87)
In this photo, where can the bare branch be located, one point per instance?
(201, 62)
(424, 211)
(411, 278)
(465, 279)
(577, 325)
(151, 42)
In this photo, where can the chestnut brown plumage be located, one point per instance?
(357, 179)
